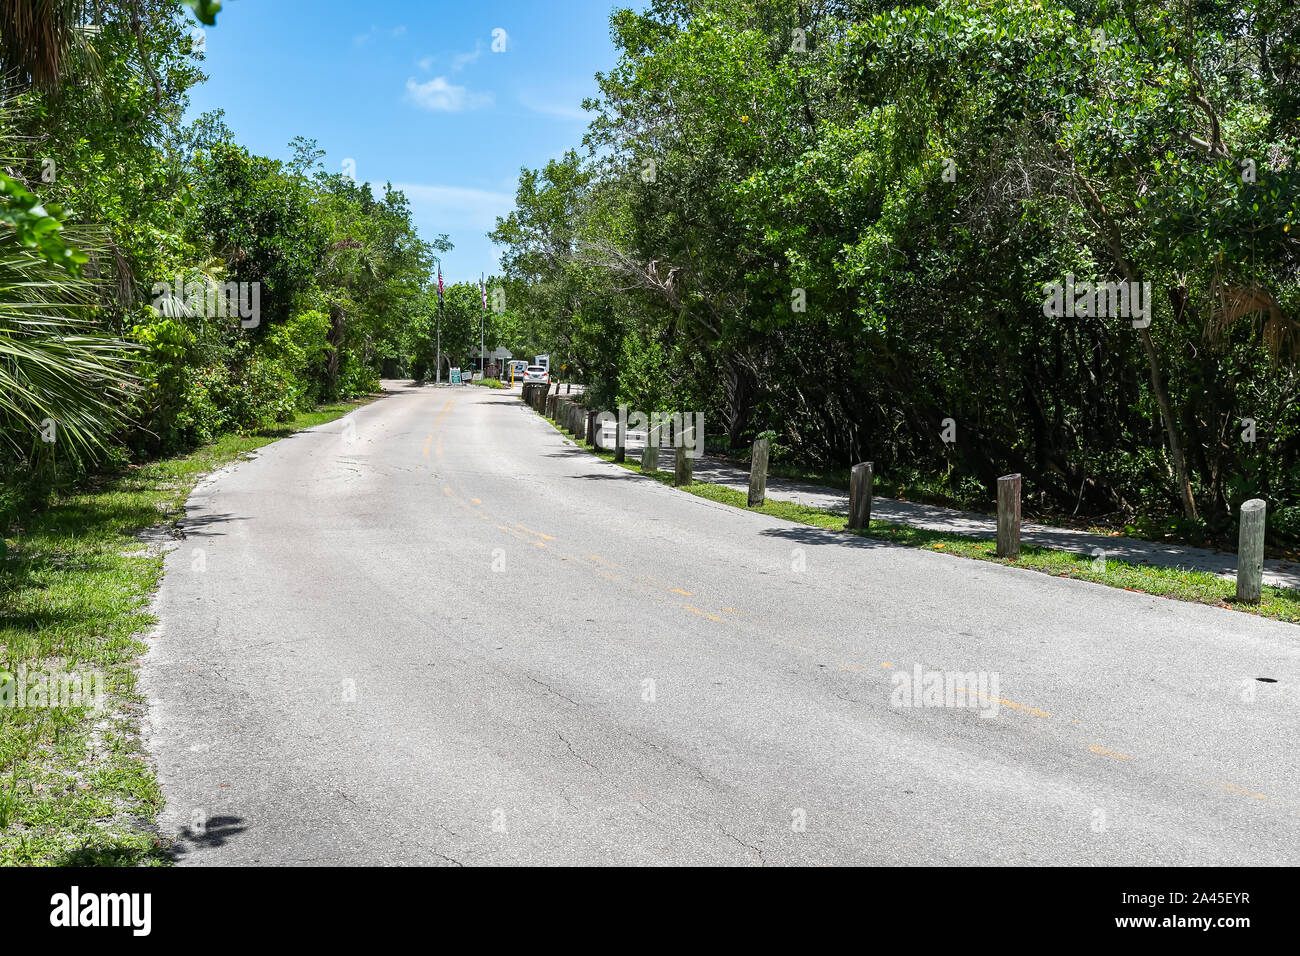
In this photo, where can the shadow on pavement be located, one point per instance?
(211, 833)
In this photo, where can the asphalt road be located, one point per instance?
(435, 632)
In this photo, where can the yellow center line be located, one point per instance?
(428, 439)
(1002, 702)
(1237, 789)
(696, 610)
(538, 533)
(1099, 749)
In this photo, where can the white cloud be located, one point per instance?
(363, 38)
(426, 62)
(456, 205)
(553, 107)
(440, 96)
(462, 60)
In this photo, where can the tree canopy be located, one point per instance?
(837, 219)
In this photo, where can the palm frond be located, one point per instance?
(56, 369)
(36, 35)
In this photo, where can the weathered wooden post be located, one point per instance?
(1009, 517)
(1250, 551)
(620, 437)
(682, 471)
(591, 428)
(860, 482)
(758, 471)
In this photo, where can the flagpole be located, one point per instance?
(482, 284)
(438, 360)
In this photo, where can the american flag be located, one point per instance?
(439, 285)
(483, 287)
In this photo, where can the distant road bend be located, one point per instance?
(433, 632)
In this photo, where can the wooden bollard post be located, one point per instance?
(758, 471)
(1250, 552)
(860, 482)
(591, 428)
(1009, 517)
(620, 439)
(682, 471)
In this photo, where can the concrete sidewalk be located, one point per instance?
(1134, 551)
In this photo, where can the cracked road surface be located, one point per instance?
(434, 632)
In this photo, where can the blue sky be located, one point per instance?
(414, 93)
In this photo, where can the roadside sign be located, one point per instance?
(455, 377)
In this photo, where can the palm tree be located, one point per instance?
(36, 37)
(63, 385)
(61, 382)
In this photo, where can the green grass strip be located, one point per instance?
(1201, 587)
(76, 787)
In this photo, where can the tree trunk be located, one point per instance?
(335, 340)
(1171, 427)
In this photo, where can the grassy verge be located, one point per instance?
(489, 383)
(1198, 586)
(934, 490)
(75, 785)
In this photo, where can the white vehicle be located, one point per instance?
(515, 371)
(537, 373)
(544, 361)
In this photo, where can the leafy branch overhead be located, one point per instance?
(205, 10)
(37, 227)
(836, 220)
